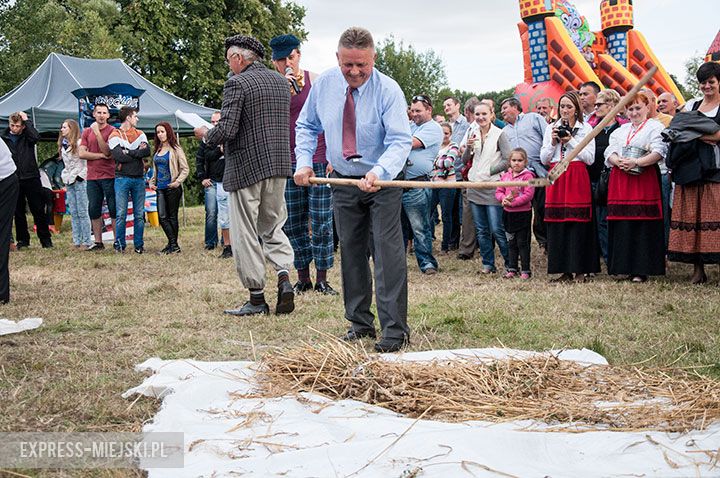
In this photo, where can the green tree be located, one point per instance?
(416, 72)
(178, 44)
(32, 29)
(691, 85)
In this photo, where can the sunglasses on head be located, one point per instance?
(423, 99)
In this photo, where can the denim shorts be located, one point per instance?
(97, 189)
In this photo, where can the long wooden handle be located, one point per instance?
(562, 166)
(432, 185)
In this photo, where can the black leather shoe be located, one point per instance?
(286, 298)
(248, 309)
(324, 288)
(21, 245)
(464, 257)
(353, 335)
(301, 287)
(391, 345)
(226, 253)
(96, 246)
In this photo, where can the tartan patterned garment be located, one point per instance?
(314, 202)
(253, 127)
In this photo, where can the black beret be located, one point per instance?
(246, 43)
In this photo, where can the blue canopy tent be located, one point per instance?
(47, 94)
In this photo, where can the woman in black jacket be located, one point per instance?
(695, 224)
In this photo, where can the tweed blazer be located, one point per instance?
(253, 127)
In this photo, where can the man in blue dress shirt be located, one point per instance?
(364, 117)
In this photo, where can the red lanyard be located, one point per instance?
(631, 136)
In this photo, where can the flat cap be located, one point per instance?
(283, 45)
(246, 43)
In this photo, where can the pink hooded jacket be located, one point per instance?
(522, 195)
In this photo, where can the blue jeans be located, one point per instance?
(211, 216)
(451, 229)
(77, 200)
(489, 225)
(135, 188)
(416, 204)
(666, 192)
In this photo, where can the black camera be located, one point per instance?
(563, 131)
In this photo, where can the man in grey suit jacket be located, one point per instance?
(253, 129)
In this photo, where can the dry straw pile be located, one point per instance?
(544, 388)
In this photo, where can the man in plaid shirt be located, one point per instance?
(253, 129)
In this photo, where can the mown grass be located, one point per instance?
(104, 313)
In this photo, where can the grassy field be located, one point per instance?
(104, 313)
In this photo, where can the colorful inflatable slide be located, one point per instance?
(561, 53)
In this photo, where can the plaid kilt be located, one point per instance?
(309, 225)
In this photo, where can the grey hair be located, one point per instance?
(248, 55)
(471, 104)
(356, 38)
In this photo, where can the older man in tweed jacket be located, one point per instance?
(253, 128)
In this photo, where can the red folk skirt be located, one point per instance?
(569, 199)
(634, 197)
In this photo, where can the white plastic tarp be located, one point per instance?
(226, 435)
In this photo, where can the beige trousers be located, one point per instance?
(257, 215)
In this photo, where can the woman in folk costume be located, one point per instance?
(636, 234)
(572, 240)
(695, 223)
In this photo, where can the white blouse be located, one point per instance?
(553, 154)
(648, 137)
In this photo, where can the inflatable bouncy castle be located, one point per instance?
(713, 53)
(561, 52)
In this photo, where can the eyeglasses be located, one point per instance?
(227, 60)
(423, 99)
(598, 105)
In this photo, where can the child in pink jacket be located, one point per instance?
(517, 213)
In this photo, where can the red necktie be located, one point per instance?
(349, 143)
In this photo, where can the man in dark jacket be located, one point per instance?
(210, 168)
(253, 128)
(21, 138)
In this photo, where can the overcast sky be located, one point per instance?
(479, 41)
